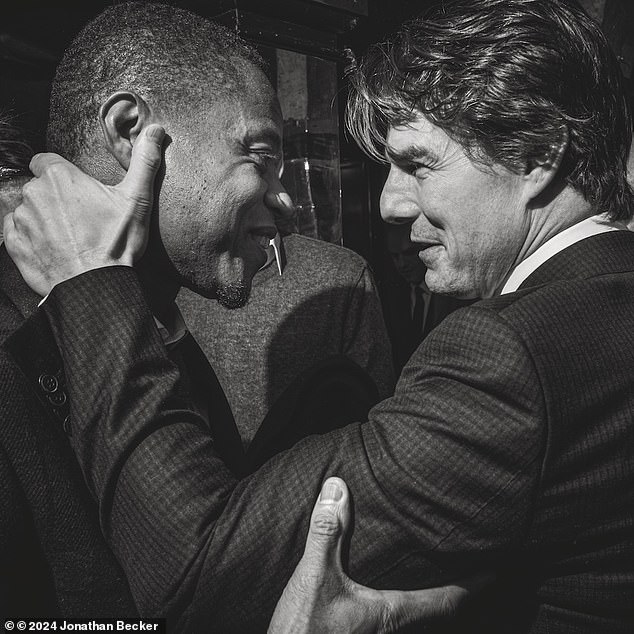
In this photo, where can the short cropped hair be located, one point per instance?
(153, 49)
(509, 80)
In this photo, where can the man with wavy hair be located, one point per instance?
(507, 444)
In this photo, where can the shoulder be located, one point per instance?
(482, 325)
(547, 318)
(309, 253)
(593, 301)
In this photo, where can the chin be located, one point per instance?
(233, 295)
(230, 295)
(448, 286)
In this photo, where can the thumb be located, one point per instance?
(145, 162)
(45, 160)
(328, 524)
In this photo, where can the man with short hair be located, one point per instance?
(214, 219)
(221, 189)
(508, 441)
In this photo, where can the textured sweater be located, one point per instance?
(324, 304)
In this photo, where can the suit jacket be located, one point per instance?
(507, 445)
(405, 335)
(54, 561)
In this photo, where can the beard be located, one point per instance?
(234, 295)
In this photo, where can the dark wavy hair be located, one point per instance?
(509, 80)
(151, 48)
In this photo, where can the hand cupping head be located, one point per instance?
(140, 63)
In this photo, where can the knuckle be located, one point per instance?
(19, 216)
(326, 524)
(27, 188)
(55, 169)
(12, 245)
(141, 204)
(151, 160)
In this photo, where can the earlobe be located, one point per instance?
(541, 173)
(122, 117)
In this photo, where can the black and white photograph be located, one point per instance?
(317, 316)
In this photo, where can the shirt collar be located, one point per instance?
(584, 229)
(274, 253)
(173, 329)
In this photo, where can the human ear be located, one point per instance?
(122, 117)
(541, 172)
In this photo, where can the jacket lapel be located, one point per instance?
(204, 387)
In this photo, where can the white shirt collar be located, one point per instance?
(273, 252)
(584, 229)
(175, 328)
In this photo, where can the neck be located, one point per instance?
(545, 222)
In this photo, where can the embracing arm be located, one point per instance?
(442, 475)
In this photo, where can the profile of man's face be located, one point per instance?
(221, 168)
(469, 223)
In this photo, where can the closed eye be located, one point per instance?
(266, 159)
(415, 169)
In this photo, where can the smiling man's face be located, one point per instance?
(221, 174)
(469, 222)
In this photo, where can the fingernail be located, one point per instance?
(330, 492)
(155, 132)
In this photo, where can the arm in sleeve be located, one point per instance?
(442, 475)
(365, 338)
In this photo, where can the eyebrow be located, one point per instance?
(409, 153)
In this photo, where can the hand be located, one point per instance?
(321, 598)
(69, 223)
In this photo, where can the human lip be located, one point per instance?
(425, 247)
(262, 236)
(422, 245)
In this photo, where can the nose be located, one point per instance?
(397, 205)
(276, 198)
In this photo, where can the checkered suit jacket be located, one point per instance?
(507, 445)
(54, 561)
